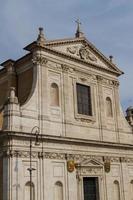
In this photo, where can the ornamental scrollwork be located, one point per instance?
(39, 60)
(86, 55)
(83, 52)
(73, 50)
(49, 155)
(77, 158)
(66, 68)
(90, 171)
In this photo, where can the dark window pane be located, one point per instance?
(84, 99)
(91, 190)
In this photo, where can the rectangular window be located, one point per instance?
(84, 99)
(91, 190)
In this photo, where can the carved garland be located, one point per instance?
(62, 156)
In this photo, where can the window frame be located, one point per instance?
(81, 186)
(79, 116)
(96, 184)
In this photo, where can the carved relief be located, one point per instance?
(105, 81)
(66, 68)
(86, 55)
(90, 171)
(83, 52)
(39, 60)
(79, 159)
(107, 165)
(73, 50)
(50, 155)
(70, 165)
(89, 167)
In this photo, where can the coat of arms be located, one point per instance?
(70, 165)
(86, 55)
(107, 166)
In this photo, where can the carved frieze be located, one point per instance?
(77, 158)
(90, 171)
(105, 81)
(51, 155)
(66, 68)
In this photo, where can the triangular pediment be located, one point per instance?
(90, 162)
(82, 49)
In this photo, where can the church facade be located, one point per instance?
(63, 135)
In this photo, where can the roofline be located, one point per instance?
(48, 43)
(68, 140)
(82, 61)
(9, 61)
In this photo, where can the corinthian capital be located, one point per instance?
(39, 60)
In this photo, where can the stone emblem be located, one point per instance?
(70, 165)
(107, 166)
(83, 52)
(86, 55)
(73, 50)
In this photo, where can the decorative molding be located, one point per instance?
(77, 158)
(66, 68)
(87, 119)
(105, 81)
(39, 60)
(90, 171)
(51, 155)
(114, 159)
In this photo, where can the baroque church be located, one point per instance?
(63, 134)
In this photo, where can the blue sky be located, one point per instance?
(108, 24)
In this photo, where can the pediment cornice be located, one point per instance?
(87, 63)
(87, 53)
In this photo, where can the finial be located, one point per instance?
(41, 38)
(111, 58)
(78, 33)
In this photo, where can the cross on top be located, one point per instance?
(78, 22)
(78, 32)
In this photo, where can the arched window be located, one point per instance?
(58, 191)
(109, 111)
(54, 95)
(29, 191)
(116, 190)
(131, 188)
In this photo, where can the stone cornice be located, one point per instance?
(84, 40)
(66, 140)
(49, 44)
(78, 60)
(33, 46)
